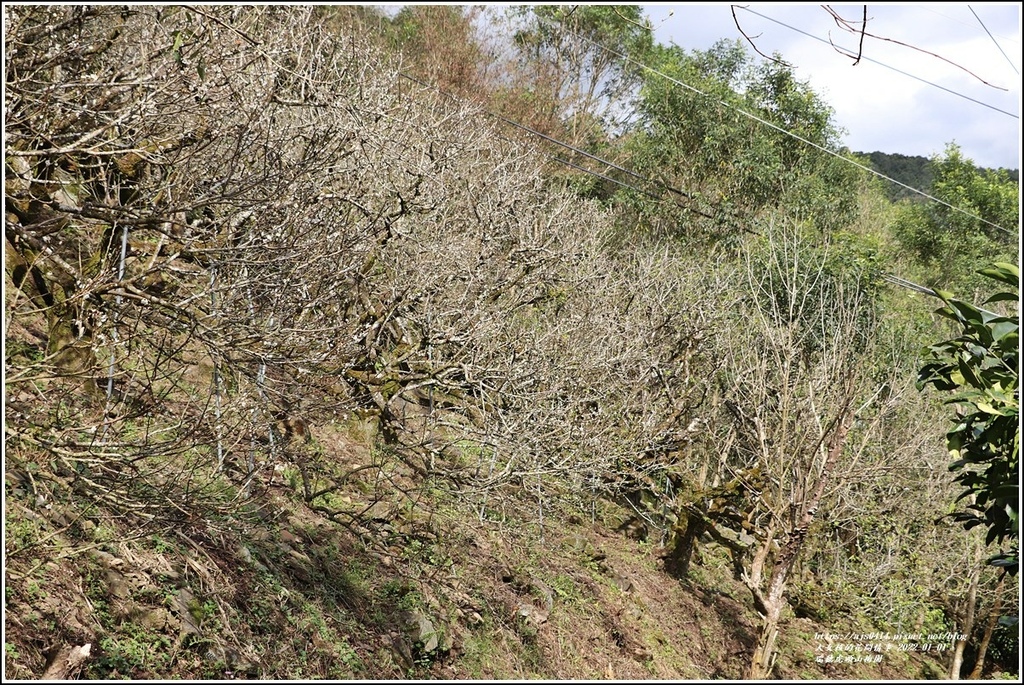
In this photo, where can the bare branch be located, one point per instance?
(736, 21)
(848, 26)
(843, 23)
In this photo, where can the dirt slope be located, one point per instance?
(409, 584)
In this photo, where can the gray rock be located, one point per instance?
(420, 629)
(623, 582)
(216, 654)
(243, 553)
(117, 584)
(108, 560)
(531, 614)
(154, 619)
(542, 592)
(182, 605)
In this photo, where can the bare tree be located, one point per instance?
(800, 408)
(225, 217)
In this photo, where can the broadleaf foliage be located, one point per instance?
(980, 365)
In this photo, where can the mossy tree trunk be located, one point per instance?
(771, 603)
(678, 562)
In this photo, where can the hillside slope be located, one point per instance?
(312, 371)
(416, 586)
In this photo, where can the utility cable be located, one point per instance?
(964, 23)
(909, 285)
(1012, 65)
(891, 278)
(635, 175)
(758, 119)
(874, 61)
(589, 155)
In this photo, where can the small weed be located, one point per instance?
(21, 533)
(314, 618)
(20, 348)
(566, 590)
(334, 501)
(480, 654)
(414, 550)
(293, 477)
(347, 655)
(209, 609)
(205, 613)
(393, 587)
(698, 577)
(132, 651)
(162, 546)
(35, 590)
(399, 593)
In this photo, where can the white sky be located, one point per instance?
(880, 108)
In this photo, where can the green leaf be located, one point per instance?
(1007, 491)
(1003, 297)
(980, 366)
(1003, 272)
(968, 311)
(988, 408)
(176, 48)
(1002, 327)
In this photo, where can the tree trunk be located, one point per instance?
(990, 627)
(771, 605)
(968, 625)
(678, 562)
(763, 661)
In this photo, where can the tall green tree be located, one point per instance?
(720, 132)
(978, 223)
(586, 58)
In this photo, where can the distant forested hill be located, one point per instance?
(913, 170)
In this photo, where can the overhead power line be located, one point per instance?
(882, 64)
(909, 285)
(613, 165)
(998, 46)
(628, 172)
(963, 23)
(769, 124)
(891, 278)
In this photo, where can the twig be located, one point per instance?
(750, 40)
(623, 18)
(846, 26)
(193, 8)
